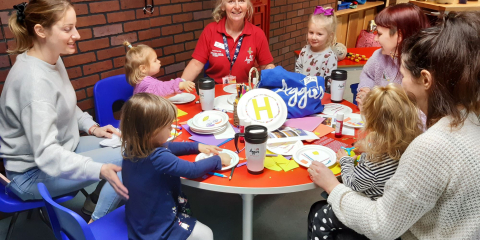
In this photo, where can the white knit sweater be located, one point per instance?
(435, 193)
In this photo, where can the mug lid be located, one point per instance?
(256, 133)
(339, 75)
(206, 83)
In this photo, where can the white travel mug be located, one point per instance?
(206, 91)
(339, 82)
(255, 147)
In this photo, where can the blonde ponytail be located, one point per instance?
(20, 33)
(43, 12)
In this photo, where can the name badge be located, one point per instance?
(219, 45)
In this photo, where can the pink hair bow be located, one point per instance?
(321, 10)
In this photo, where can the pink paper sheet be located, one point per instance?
(305, 123)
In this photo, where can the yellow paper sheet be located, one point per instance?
(271, 164)
(180, 113)
(279, 163)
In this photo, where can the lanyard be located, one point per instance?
(227, 50)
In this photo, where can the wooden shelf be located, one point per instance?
(470, 6)
(359, 8)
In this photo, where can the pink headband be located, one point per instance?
(321, 10)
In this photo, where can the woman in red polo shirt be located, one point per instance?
(231, 44)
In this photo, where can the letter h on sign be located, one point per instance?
(258, 109)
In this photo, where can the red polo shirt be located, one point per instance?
(210, 49)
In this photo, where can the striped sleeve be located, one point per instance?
(359, 178)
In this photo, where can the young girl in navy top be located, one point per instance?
(141, 63)
(317, 58)
(157, 208)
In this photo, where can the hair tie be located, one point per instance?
(20, 11)
(321, 10)
(129, 46)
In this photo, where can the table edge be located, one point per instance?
(248, 190)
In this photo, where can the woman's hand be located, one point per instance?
(322, 176)
(103, 132)
(341, 153)
(109, 173)
(361, 96)
(207, 149)
(187, 86)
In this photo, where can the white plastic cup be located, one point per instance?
(339, 82)
(206, 90)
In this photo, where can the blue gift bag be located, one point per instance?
(302, 94)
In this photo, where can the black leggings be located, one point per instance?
(323, 224)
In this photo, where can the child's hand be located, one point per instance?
(207, 149)
(187, 86)
(226, 159)
(361, 97)
(341, 153)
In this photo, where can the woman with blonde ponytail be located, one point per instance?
(39, 118)
(231, 45)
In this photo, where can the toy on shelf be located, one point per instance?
(356, 57)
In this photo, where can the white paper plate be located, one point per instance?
(272, 119)
(285, 148)
(209, 120)
(235, 158)
(231, 98)
(232, 88)
(182, 98)
(316, 152)
(205, 130)
(355, 120)
(334, 108)
(221, 103)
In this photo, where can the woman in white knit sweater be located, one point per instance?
(435, 192)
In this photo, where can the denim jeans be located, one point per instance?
(24, 185)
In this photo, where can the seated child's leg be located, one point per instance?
(325, 223)
(314, 209)
(201, 232)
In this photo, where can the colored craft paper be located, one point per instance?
(180, 113)
(208, 139)
(279, 163)
(306, 123)
(323, 130)
(271, 164)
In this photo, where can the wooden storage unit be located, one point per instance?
(261, 15)
(351, 21)
(470, 6)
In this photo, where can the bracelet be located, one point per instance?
(93, 131)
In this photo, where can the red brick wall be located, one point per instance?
(172, 30)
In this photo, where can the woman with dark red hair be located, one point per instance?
(394, 24)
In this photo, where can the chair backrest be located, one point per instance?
(66, 224)
(205, 67)
(106, 92)
(353, 88)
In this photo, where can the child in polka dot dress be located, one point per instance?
(317, 58)
(389, 131)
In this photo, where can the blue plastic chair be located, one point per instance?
(205, 67)
(353, 88)
(13, 204)
(106, 92)
(66, 224)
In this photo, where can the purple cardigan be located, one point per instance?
(380, 70)
(157, 87)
